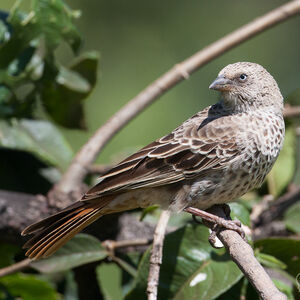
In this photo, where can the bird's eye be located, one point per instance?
(243, 77)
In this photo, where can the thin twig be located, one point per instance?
(98, 169)
(243, 255)
(21, 265)
(88, 153)
(112, 245)
(156, 255)
(108, 244)
(291, 111)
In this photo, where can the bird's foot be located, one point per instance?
(218, 222)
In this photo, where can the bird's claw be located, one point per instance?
(218, 222)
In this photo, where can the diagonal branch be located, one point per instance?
(88, 153)
(242, 254)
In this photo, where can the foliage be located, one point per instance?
(33, 83)
(38, 97)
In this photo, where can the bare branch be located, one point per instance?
(18, 210)
(98, 169)
(242, 254)
(277, 208)
(88, 153)
(112, 245)
(108, 244)
(19, 266)
(291, 111)
(156, 254)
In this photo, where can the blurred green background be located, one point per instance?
(140, 40)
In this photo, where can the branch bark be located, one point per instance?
(291, 111)
(156, 255)
(242, 254)
(19, 266)
(277, 208)
(88, 153)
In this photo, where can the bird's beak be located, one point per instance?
(221, 84)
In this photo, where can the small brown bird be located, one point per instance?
(214, 157)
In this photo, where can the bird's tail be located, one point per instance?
(54, 231)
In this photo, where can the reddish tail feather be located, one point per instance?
(54, 231)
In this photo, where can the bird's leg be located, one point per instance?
(217, 221)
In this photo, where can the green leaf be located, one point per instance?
(292, 218)
(63, 94)
(148, 210)
(284, 168)
(82, 249)
(49, 20)
(4, 32)
(240, 212)
(70, 289)
(72, 81)
(55, 20)
(270, 261)
(109, 277)
(191, 268)
(86, 65)
(127, 267)
(284, 288)
(286, 250)
(28, 287)
(7, 100)
(40, 138)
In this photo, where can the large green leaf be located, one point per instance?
(292, 218)
(286, 250)
(284, 168)
(40, 138)
(63, 94)
(109, 277)
(82, 249)
(28, 287)
(191, 268)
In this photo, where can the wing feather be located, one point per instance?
(190, 150)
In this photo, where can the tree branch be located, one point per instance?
(18, 210)
(19, 266)
(110, 246)
(88, 153)
(277, 208)
(242, 254)
(291, 111)
(156, 254)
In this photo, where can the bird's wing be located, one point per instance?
(199, 144)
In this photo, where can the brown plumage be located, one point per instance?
(214, 157)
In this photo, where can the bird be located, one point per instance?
(214, 157)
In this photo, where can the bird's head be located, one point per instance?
(246, 85)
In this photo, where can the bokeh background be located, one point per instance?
(140, 40)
